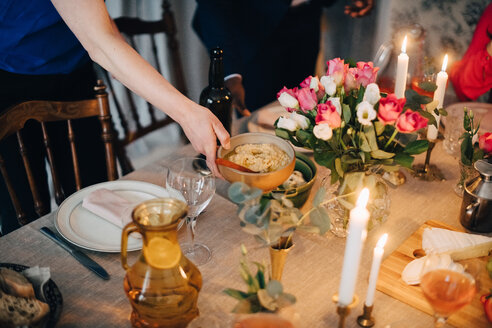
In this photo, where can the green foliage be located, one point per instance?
(272, 218)
(470, 151)
(261, 296)
(359, 147)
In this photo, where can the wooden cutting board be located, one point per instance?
(390, 282)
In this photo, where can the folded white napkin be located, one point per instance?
(109, 206)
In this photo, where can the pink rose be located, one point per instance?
(307, 82)
(366, 73)
(485, 142)
(337, 70)
(314, 84)
(410, 121)
(327, 114)
(390, 108)
(307, 99)
(350, 80)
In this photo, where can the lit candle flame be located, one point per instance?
(404, 45)
(382, 241)
(363, 198)
(445, 63)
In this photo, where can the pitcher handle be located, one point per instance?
(127, 230)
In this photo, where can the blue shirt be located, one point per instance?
(34, 39)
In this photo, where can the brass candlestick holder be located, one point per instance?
(366, 320)
(426, 171)
(344, 310)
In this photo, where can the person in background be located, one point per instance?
(46, 49)
(267, 44)
(472, 75)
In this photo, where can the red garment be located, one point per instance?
(472, 75)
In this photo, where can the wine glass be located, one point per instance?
(191, 177)
(447, 286)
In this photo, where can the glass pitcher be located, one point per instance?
(162, 285)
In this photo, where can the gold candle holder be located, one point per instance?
(344, 310)
(366, 320)
(426, 171)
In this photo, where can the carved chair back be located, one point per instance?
(12, 121)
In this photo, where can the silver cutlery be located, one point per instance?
(78, 255)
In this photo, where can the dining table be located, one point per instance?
(312, 270)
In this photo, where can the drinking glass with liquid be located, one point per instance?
(447, 286)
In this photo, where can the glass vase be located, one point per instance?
(467, 172)
(341, 196)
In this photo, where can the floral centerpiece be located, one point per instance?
(353, 128)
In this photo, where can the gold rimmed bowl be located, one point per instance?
(265, 181)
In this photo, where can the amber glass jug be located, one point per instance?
(162, 285)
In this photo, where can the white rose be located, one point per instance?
(314, 84)
(287, 123)
(372, 95)
(336, 102)
(365, 113)
(323, 131)
(301, 120)
(288, 101)
(329, 84)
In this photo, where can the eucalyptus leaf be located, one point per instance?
(429, 116)
(320, 196)
(320, 220)
(274, 288)
(381, 154)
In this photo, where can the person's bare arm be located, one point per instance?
(91, 24)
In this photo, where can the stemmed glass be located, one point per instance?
(191, 177)
(447, 286)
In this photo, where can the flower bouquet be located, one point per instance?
(353, 128)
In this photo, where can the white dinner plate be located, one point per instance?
(261, 120)
(482, 111)
(87, 230)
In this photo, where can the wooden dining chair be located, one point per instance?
(134, 30)
(13, 120)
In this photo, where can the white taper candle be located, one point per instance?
(376, 264)
(357, 233)
(401, 71)
(441, 81)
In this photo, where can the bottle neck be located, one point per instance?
(216, 73)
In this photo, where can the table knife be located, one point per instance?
(78, 255)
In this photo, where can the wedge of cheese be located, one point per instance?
(459, 245)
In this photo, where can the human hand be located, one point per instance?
(202, 129)
(235, 86)
(359, 8)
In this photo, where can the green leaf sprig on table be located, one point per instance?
(262, 295)
(272, 218)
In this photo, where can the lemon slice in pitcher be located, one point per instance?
(162, 254)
